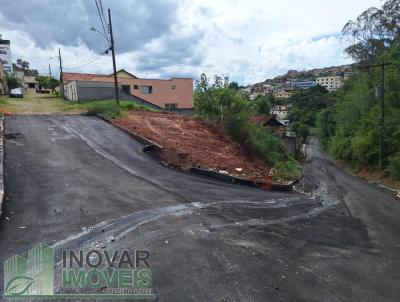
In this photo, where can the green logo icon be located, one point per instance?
(32, 277)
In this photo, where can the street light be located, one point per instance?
(102, 34)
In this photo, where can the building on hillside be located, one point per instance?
(301, 84)
(3, 81)
(173, 94)
(282, 94)
(280, 111)
(5, 55)
(276, 126)
(330, 83)
(269, 121)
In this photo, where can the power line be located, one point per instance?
(91, 61)
(101, 20)
(44, 61)
(79, 63)
(102, 10)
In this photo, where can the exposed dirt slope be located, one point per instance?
(190, 142)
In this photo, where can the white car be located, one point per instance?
(16, 93)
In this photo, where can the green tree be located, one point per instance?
(47, 82)
(373, 32)
(12, 82)
(220, 102)
(262, 104)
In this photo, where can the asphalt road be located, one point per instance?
(78, 182)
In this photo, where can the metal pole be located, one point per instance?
(61, 75)
(113, 59)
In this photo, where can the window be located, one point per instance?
(135, 86)
(126, 88)
(170, 106)
(173, 87)
(146, 89)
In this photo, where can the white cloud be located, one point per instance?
(249, 40)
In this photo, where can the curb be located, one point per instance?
(225, 177)
(395, 193)
(1, 165)
(152, 147)
(242, 181)
(284, 187)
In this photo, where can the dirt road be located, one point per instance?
(208, 240)
(33, 103)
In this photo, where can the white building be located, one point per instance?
(5, 55)
(330, 83)
(280, 111)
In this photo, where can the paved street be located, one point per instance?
(76, 181)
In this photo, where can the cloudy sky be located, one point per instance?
(250, 40)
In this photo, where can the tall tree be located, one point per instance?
(373, 32)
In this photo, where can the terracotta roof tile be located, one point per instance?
(72, 76)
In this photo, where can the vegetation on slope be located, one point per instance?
(220, 102)
(349, 127)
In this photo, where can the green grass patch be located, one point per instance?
(110, 109)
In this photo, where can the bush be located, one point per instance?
(105, 108)
(13, 82)
(110, 109)
(220, 103)
(394, 165)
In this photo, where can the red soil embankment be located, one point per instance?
(190, 142)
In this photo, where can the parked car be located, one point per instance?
(16, 93)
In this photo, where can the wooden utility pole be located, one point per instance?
(382, 111)
(113, 58)
(61, 75)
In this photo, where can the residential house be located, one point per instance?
(269, 121)
(330, 83)
(306, 84)
(282, 94)
(280, 111)
(272, 123)
(29, 83)
(171, 94)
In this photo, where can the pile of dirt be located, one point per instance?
(191, 142)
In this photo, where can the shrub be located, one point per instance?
(110, 109)
(394, 165)
(105, 108)
(220, 103)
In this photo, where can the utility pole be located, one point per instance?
(382, 111)
(113, 58)
(51, 79)
(61, 75)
